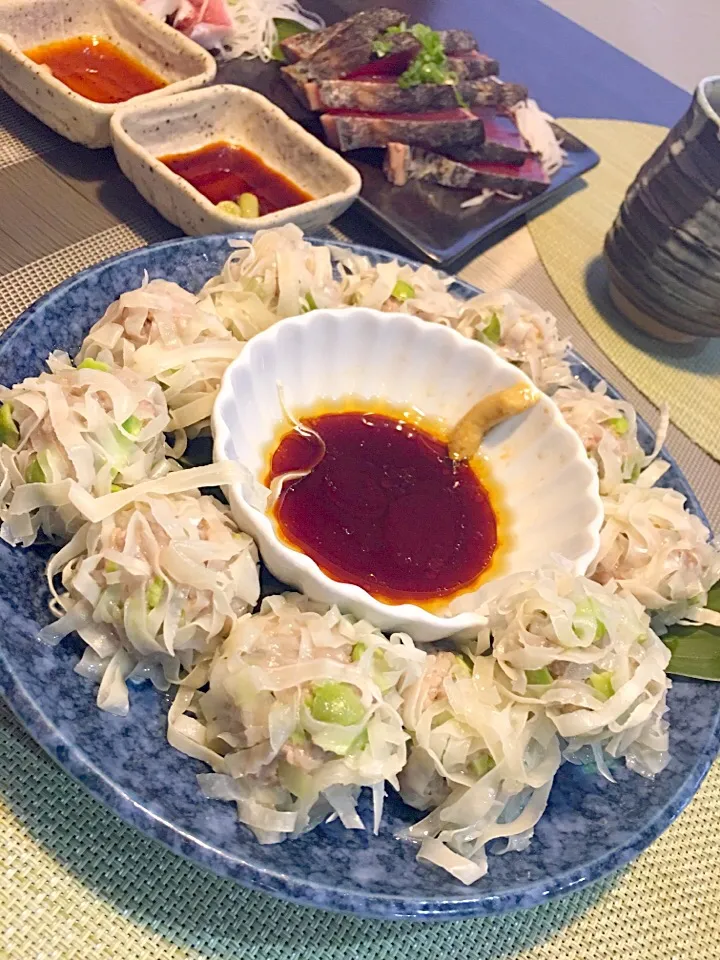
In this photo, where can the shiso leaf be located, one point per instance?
(696, 650)
(285, 28)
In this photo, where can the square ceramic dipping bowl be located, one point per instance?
(142, 132)
(25, 24)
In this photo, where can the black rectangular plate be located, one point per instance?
(423, 218)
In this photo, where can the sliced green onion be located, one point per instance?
(360, 742)
(586, 615)
(482, 764)
(132, 425)
(295, 780)
(602, 684)
(464, 664)
(155, 591)
(9, 433)
(382, 47)
(492, 331)
(620, 425)
(539, 678)
(309, 304)
(34, 473)
(430, 65)
(115, 488)
(90, 364)
(249, 205)
(334, 702)
(357, 651)
(440, 718)
(403, 291)
(111, 566)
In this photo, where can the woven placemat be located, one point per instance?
(77, 883)
(569, 239)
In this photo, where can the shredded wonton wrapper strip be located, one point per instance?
(287, 767)
(654, 549)
(280, 274)
(90, 430)
(161, 332)
(480, 761)
(608, 430)
(589, 657)
(152, 589)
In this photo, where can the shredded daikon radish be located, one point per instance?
(302, 710)
(254, 33)
(232, 28)
(92, 428)
(151, 590)
(588, 657)
(482, 198)
(481, 761)
(162, 333)
(479, 201)
(534, 126)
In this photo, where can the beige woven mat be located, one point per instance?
(22, 136)
(569, 239)
(77, 883)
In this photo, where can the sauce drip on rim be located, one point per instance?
(223, 171)
(96, 69)
(384, 507)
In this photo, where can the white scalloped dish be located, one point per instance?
(537, 464)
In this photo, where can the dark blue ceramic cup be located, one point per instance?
(663, 251)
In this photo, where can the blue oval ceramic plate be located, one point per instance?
(591, 826)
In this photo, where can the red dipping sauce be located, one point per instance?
(222, 171)
(385, 508)
(96, 69)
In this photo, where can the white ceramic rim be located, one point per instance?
(702, 95)
(263, 528)
(134, 108)
(10, 45)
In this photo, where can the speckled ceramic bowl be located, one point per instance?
(663, 250)
(143, 132)
(590, 828)
(28, 23)
(547, 489)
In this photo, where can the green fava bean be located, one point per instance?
(334, 702)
